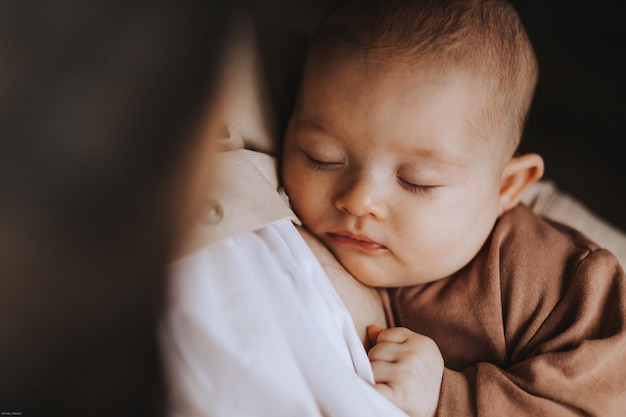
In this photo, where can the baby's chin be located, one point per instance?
(380, 274)
(366, 273)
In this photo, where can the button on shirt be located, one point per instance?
(213, 212)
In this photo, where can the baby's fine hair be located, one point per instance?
(484, 38)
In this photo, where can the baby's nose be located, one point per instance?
(363, 197)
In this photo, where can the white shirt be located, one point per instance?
(255, 328)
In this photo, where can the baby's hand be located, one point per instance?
(408, 368)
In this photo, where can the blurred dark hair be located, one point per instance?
(98, 100)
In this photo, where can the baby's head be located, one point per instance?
(399, 153)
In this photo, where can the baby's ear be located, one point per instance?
(518, 174)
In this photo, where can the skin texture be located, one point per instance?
(363, 302)
(384, 163)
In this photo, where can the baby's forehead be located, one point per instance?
(389, 74)
(377, 67)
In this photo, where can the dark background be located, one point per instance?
(577, 120)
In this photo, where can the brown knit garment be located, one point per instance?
(533, 326)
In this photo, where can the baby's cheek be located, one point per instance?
(300, 201)
(290, 182)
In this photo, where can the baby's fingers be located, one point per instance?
(394, 335)
(384, 371)
(386, 392)
(407, 369)
(398, 344)
(397, 383)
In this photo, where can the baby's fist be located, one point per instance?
(408, 369)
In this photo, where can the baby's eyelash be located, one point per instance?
(416, 188)
(321, 165)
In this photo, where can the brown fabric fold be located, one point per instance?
(534, 325)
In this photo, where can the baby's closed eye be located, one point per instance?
(416, 188)
(320, 164)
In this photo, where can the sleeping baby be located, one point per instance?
(400, 156)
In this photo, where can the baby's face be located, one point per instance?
(382, 164)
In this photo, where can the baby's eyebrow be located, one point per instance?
(313, 126)
(310, 125)
(437, 156)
